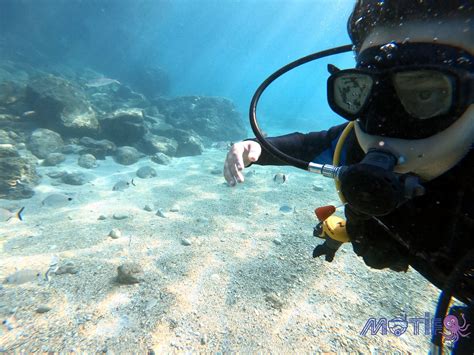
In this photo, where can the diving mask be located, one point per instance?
(409, 91)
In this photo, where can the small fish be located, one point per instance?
(22, 276)
(56, 200)
(29, 113)
(99, 82)
(6, 215)
(122, 185)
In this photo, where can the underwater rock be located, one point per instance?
(286, 209)
(280, 178)
(124, 126)
(22, 276)
(56, 200)
(148, 208)
(277, 241)
(317, 188)
(160, 213)
(175, 208)
(67, 268)
(274, 300)
(214, 118)
(71, 149)
(17, 174)
(54, 159)
(87, 161)
(98, 148)
(129, 273)
(146, 172)
(44, 141)
(5, 138)
(61, 104)
(43, 309)
(119, 216)
(151, 144)
(74, 179)
(127, 155)
(160, 158)
(156, 123)
(56, 174)
(216, 171)
(189, 143)
(115, 233)
(185, 242)
(102, 218)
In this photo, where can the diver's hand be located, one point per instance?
(240, 156)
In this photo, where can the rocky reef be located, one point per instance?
(46, 115)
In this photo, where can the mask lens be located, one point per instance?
(351, 91)
(424, 93)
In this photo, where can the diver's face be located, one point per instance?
(455, 33)
(431, 153)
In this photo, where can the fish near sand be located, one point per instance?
(56, 200)
(99, 82)
(6, 215)
(122, 185)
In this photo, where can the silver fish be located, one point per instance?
(99, 82)
(6, 215)
(56, 200)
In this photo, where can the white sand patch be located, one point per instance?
(232, 289)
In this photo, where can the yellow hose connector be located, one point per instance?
(337, 156)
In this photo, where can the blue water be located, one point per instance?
(205, 47)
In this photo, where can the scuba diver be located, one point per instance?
(403, 163)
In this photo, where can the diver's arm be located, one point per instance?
(304, 146)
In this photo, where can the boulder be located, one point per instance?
(127, 155)
(160, 158)
(74, 179)
(61, 105)
(44, 141)
(123, 126)
(17, 174)
(54, 159)
(87, 161)
(151, 144)
(146, 172)
(189, 143)
(214, 118)
(98, 148)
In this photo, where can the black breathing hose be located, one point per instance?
(253, 104)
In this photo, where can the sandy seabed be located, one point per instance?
(227, 271)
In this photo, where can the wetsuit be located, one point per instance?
(431, 233)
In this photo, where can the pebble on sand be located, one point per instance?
(129, 273)
(43, 309)
(148, 208)
(174, 208)
(185, 242)
(160, 213)
(286, 209)
(115, 233)
(280, 178)
(119, 216)
(146, 172)
(67, 268)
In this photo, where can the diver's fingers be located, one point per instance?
(254, 150)
(234, 164)
(227, 174)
